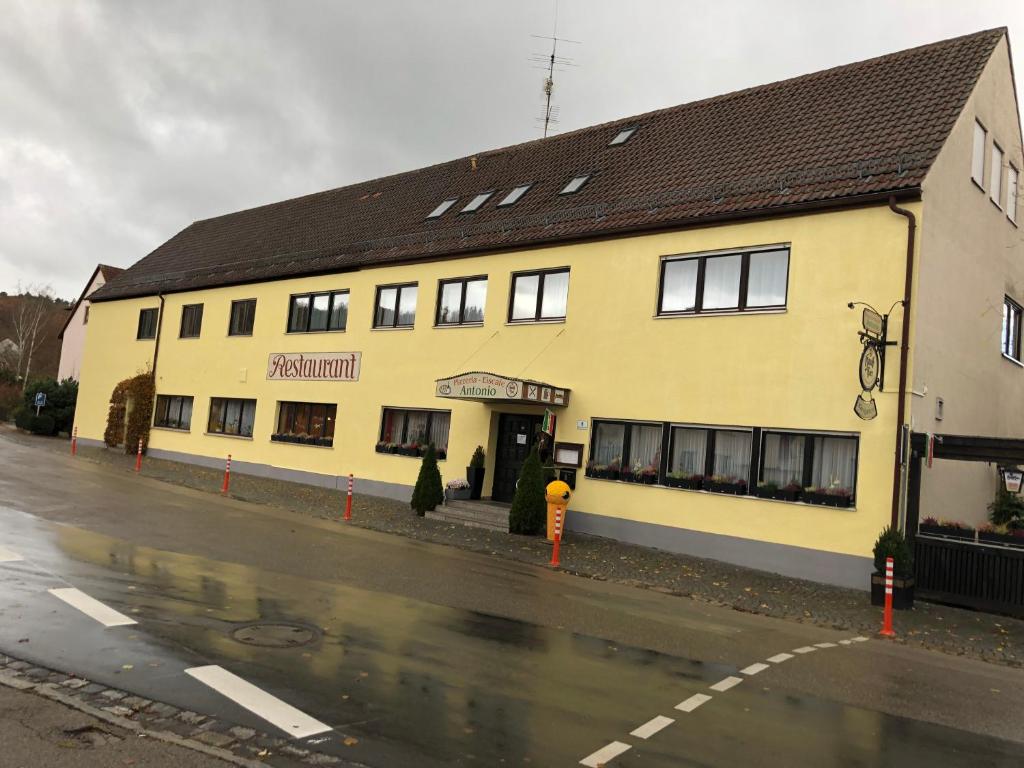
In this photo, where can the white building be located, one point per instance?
(72, 335)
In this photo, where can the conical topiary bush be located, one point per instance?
(428, 492)
(529, 508)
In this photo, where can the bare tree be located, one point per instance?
(28, 323)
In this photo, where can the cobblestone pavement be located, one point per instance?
(960, 632)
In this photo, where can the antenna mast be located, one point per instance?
(551, 63)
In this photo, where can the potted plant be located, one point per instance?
(952, 529)
(687, 480)
(1000, 534)
(457, 490)
(726, 484)
(788, 492)
(614, 469)
(475, 473)
(649, 475)
(827, 497)
(892, 543)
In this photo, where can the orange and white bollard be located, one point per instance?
(227, 476)
(348, 501)
(556, 545)
(74, 441)
(138, 457)
(887, 618)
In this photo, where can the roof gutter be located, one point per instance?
(901, 408)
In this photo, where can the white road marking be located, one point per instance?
(778, 658)
(860, 639)
(824, 645)
(91, 607)
(9, 556)
(726, 684)
(805, 649)
(753, 669)
(259, 702)
(651, 727)
(845, 642)
(693, 702)
(604, 754)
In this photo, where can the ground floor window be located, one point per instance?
(231, 416)
(408, 432)
(812, 465)
(305, 423)
(630, 450)
(173, 412)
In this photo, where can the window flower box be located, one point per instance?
(1012, 539)
(275, 438)
(789, 492)
(683, 480)
(731, 485)
(828, 497)
(949, 529)
(381, 448)
(325, 442)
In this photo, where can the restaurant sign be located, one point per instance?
(314, 366)
(490, 387)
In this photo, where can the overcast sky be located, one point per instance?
(122, 122)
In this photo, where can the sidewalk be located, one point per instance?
(955, 631)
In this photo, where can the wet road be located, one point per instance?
(432, 656)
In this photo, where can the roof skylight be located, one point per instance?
(622, 136)
(514, 195)
(442, 208)
(476, 202)
(575, 185)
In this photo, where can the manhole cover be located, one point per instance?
(277, 635)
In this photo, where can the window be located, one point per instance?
(730, 282)
(723, 454)
(978, 157)
(442, 208)
(539, 296)
(315, 312)
(996, 180)
(230, 416)
(173, 412)
(412, 430)
(191, 321)
(514, 195)
(628, 447)
(575, 185)
(476, 202)
(85, 317)
(622, 136)
(396, 306)
(1012, 177)
(1011, 328)
(243, 315)
(147, 324)
(461, 302)
(309, 423)
(821, 462)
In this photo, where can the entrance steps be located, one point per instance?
(474, 514)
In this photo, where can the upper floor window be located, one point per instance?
(173, 412)
(996, 178)
(243, 315)
(147, 324)
(191, 321)
(541, 295)
(461, 301)
(310, 312)
(231, 416)
(1011, 328)
(724, 283)
(1012, 178)
(978, 156)
(395, 306)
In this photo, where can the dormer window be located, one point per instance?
(575, 185)
(442, 208)
(476, 202)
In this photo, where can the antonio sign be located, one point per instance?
(313, 366)
(490, 387)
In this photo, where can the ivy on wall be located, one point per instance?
(131, 413)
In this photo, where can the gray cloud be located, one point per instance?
(122, 122)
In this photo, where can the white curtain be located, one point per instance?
(644, 446)
(416, 430)
(679, 286)
(835, 462)
(607, 445)
(556, 294)
(439, 424)
(783, 459)
(722, 282)
(732, 454)
(766, 281)
(689, 450)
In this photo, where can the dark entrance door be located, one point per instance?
(516, 435)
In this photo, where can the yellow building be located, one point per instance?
(672, 287)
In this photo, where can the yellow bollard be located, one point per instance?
(557, 495)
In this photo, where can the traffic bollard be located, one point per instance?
(138, 457)
(74, 441)
(227, 476)
(887, 618)
(348, 501)
(556, 544)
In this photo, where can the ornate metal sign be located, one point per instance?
(866, 408)
(869, 367)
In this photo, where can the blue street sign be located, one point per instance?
(40, 399)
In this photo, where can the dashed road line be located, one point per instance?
(9, 556)
(724, 685)
(604, 754)
(276, 712)
(778, 658)
(860, 639)
(845, 642)
(753, 669)
(805, 649)
(92, 607)
(824, 645)
(693, 702)
(651, 727)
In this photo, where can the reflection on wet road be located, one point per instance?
(419, 683)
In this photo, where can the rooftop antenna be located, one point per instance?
(551, 63)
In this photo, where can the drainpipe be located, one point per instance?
(904, 344)
(159, 325)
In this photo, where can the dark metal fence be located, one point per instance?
(987, 578)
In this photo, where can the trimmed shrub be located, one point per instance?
(428, 492)
(529, 512)
(43, 424)
(61, 397)
(1005, 507)
(23, 418)
(141, 391)
(892, 543)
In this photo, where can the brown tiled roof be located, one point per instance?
(861, 129)
(108, 273)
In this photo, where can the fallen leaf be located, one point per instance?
(350, 741)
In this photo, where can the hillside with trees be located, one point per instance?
(29, 324)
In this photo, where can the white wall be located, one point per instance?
(73, 343)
